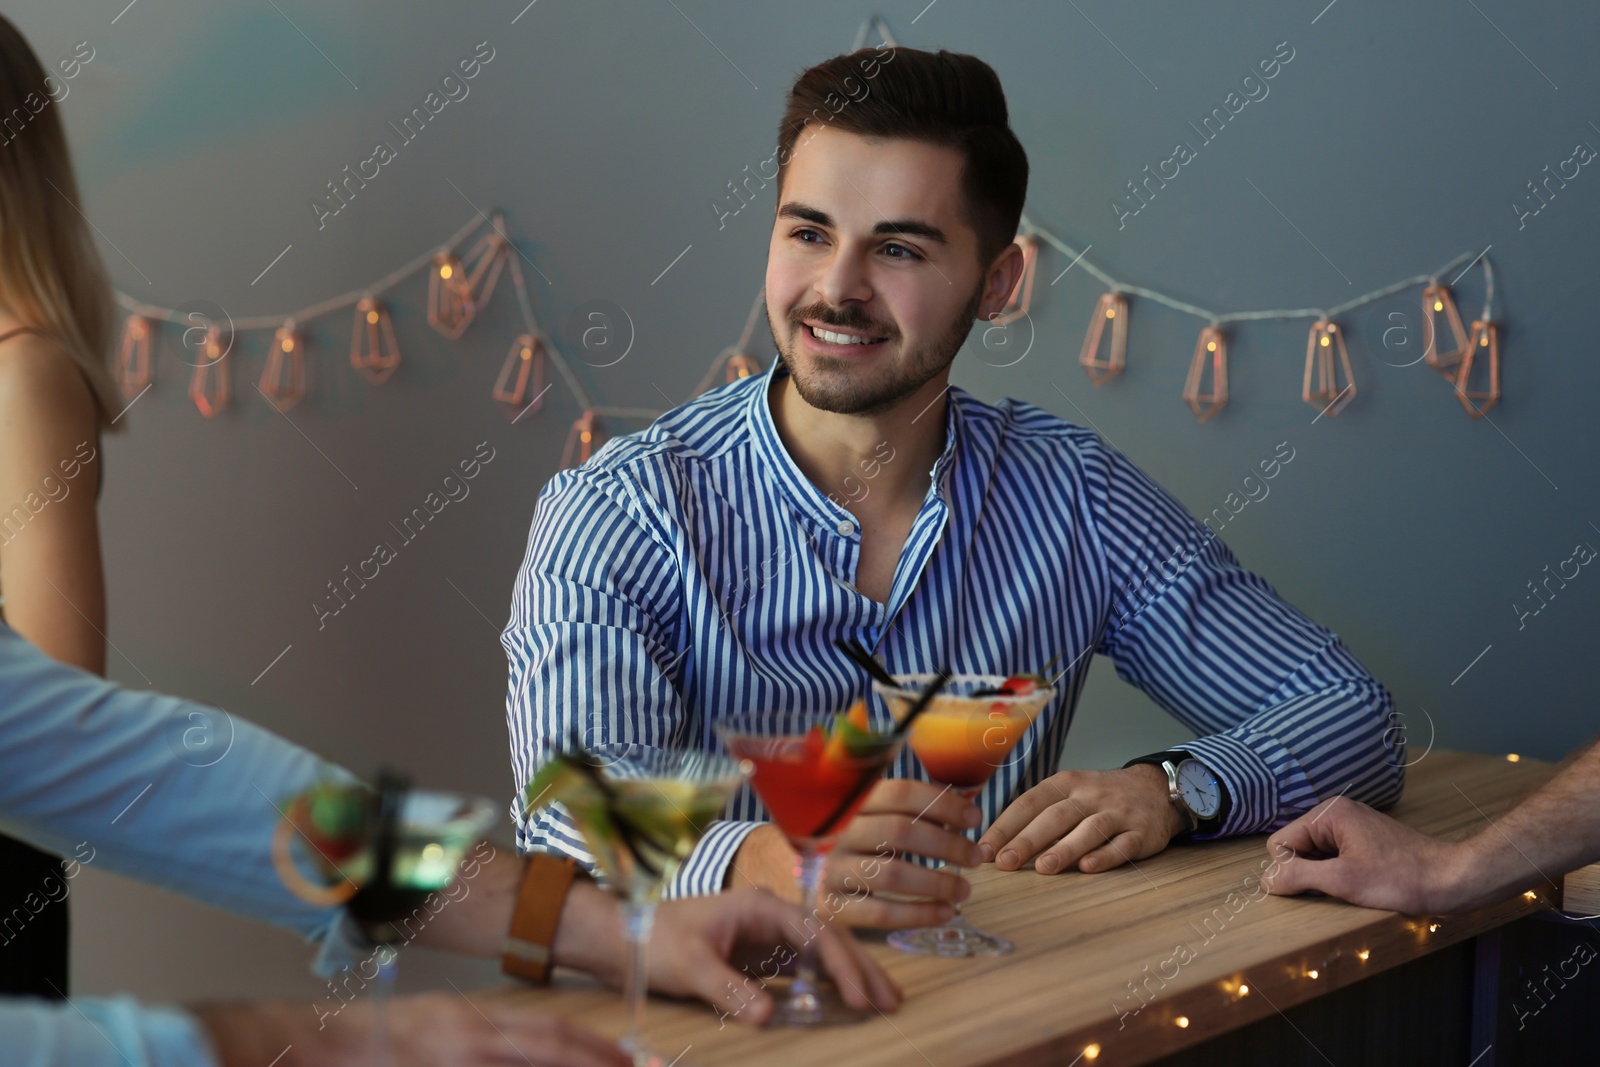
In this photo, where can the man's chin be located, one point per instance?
(847, 397)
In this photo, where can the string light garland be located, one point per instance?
(460, 287)
(1328, 382)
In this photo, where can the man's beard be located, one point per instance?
(838, 387)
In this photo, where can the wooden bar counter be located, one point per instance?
(1122, 967)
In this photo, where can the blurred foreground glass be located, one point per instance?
(641, 810)
(380, 852)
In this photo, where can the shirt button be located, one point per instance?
(846, 527)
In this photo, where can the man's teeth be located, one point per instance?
(841, 338)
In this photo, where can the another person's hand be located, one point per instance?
(700, 947)
(724, 948)
(494, 1027)
(1345, 849)
(1094, 819)
(901, 816)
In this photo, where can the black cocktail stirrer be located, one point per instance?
(923, 700)
(852, 648)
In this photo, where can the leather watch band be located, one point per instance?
(545, 884)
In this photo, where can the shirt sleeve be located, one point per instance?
(100, 1032)
(174, 793)
(594, 657)
(1286, 716)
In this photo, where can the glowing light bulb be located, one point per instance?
(585, 437)
(527, 353)
(372, 317)
(1325, 341)
(288, 345)
(1433, 928)
(1512, 757)
(1438, 305)
(1091, 1051)
(1363, 954)
(1182, 1021)
(1111, 313)
(1483, 342)
(1312, 974)
(1530, 895)
(433, 853)
(445, 271)
(1244, 990)
(1211, 346)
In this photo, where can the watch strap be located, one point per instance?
(1169, 761)
(546, 882)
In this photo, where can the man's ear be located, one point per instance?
(1000, 280)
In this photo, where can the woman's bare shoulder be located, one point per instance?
(39, 380)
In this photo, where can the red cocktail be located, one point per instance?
(813, 774)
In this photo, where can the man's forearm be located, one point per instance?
(476, 914)
(475, 923)
(1554, 830)
(249, 1035)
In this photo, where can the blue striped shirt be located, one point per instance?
(691, 571)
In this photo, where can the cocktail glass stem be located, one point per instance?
(805, 1002)
(637, 919)
(382, 996)
(956, 938)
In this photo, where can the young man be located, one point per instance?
(75, 748)
(707, 565)
(1352, 852)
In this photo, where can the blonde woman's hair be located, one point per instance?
(51, 273)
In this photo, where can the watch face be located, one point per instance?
(1199, 788)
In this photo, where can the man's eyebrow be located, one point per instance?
(903, 227)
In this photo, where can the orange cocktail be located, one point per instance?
(965, 735)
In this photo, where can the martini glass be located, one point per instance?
(962, 738)
(813, 773)
(380, 852)
(641, 810)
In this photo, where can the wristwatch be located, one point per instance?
(1196, 792)
(546, 881)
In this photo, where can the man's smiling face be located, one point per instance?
(870, 242)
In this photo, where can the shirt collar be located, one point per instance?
(792, 480)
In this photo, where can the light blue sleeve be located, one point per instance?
(171, 792)
(99, 1032)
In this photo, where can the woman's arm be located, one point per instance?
(50, 573)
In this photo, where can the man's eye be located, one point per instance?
(908, 253)
(802, 234)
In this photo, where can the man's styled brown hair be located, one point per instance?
(943, 98)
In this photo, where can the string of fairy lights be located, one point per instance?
(462, 278)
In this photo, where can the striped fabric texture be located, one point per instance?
(691, 571)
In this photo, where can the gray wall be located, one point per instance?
(1395, 139)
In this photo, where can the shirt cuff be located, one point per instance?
(706, 870)
(1243, 763)
(340, 943)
